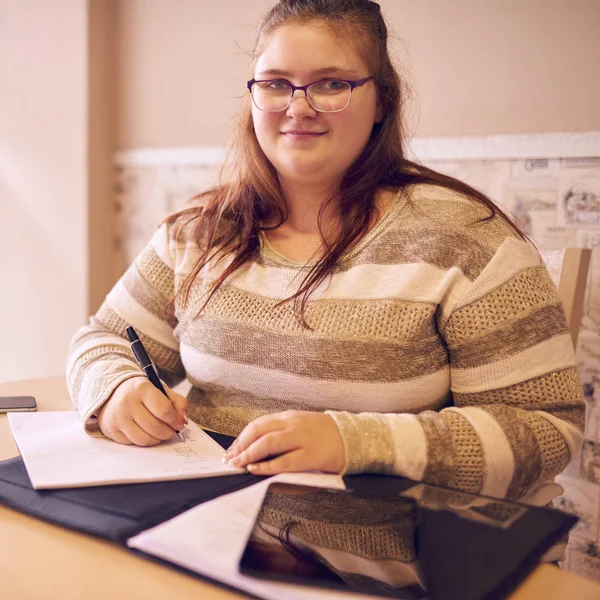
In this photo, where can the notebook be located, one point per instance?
(59, 454)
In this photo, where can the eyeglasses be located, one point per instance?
(326, 95)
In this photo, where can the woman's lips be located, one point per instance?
(304, 133)
(302, 138)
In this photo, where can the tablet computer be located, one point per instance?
(391, 537)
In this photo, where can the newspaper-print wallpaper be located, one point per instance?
(556, 200)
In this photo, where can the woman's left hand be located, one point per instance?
(296, 441)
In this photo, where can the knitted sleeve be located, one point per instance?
(100, 357)
(518, 410)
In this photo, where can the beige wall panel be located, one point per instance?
(43, 231)
(477, 68)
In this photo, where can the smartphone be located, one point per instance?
(17, 404)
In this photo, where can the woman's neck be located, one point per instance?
(304, 202)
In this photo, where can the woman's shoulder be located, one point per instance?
(438, 226)
(451, 213)
(442, 201)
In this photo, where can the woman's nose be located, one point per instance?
(300, 106)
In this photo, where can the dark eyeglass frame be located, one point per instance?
(352, 83)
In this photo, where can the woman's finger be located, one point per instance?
(119, 437)
(253, 431)
(136, 435)
(162, 408)
(270, 444)
(150, 424)
(112, 432)
(286, 463)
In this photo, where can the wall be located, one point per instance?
(502, 66)
(499, 66)
(101, 135)
(43, 231)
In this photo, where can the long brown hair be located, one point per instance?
(231, 216)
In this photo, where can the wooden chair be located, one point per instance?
(569, 268)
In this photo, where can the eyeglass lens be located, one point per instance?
(325, 96)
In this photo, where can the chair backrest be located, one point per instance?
(569, 268)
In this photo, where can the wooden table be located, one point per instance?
(39, 560)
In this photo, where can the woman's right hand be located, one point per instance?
(137, 413)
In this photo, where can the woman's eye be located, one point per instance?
(276, 85)
(329, 87)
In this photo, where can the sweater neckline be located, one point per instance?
(273, 255)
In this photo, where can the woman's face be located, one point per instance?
(301, 143)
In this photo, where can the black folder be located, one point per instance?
(114, 512)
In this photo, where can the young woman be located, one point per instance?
(334, 305)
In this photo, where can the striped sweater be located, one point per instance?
(439, 346)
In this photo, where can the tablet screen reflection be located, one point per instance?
(418, 542)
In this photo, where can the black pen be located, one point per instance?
(144, 361)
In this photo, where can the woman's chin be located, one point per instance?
(304, 167)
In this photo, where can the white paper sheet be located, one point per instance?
(488, 176)
(210, 539)
(59, 454)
